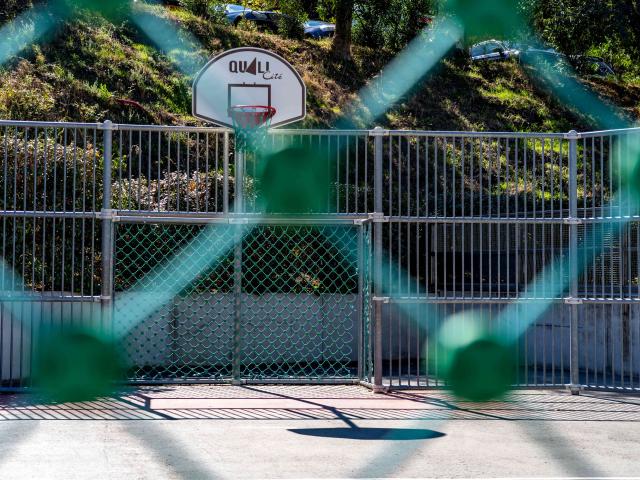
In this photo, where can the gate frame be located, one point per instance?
(364, 330)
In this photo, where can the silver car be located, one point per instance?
(492, 50)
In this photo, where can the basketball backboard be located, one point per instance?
(249, 76)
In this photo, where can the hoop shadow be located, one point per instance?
(370, 433)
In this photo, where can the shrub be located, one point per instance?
(210, 9)
(197, 7)
(291, 22)
(389, 24)
(24, 96)
(10, 8)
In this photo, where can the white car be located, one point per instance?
(492, 50)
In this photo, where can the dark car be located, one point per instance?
(264, 20)
(234, 13)
(584, 64)
(593, 66)
(318, 29)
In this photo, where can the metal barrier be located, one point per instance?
(461, 221)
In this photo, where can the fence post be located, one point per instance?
(378, 133)
(106, 294)
(237, 266)
(225, 175)
(573, 260)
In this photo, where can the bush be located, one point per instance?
(291, 22)
(24, 96)
(389, 24)
(49, 173)
(10, 8)
(175, 191)
(197, 7)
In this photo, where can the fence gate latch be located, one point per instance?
(572, 301)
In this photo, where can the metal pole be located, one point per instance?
(377, 133)
(239, 177)
(106, 296)
(573, 259)
(237, 266)
(225, 175)
(360, 308)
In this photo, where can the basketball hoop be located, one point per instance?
(251, 123)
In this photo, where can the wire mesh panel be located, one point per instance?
(189, 337)
(288, 304)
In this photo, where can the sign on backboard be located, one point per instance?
(249, 76)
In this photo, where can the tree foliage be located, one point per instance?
(290, 25)
(608, 28)
(390, 23)
(10, 8)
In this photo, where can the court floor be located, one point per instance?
(271, 431)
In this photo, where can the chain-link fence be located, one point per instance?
(295, 309)
(92, 213)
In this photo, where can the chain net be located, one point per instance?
(288, 304)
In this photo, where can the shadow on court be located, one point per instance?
(346, 403)
(369, 433)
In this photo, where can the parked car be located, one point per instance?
(593, 66)
(491, 50)
(234, 13)
(584, 64)
(318, 29)
(268, 20)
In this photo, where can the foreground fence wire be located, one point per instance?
(444, 222)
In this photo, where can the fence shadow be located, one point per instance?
(347, 404)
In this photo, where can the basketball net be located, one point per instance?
(251, 124)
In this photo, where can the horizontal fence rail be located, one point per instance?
(461, 222)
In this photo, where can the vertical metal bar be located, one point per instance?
(360, 306)
(237, 297)
(573, 260)
(106, 298)
(225, 174)
(377, 347)
(237, 264)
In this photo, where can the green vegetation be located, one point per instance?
(95, 68)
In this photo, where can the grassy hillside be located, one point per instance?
(92, 70)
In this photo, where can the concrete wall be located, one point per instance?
(287, 327)
(198, 329)
(21, 324)
(609, 335)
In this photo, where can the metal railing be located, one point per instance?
(461, 221)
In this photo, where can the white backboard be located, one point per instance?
(249, 76)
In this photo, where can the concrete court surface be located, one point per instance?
(192, 432)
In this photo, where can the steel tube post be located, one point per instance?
(360, 307)
(237, 266)
(378, 134)
(225, 174)
(573, 258)
(106, 296)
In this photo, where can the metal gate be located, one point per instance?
(280, 301)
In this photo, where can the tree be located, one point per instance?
(572, 25)
(342, 40)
